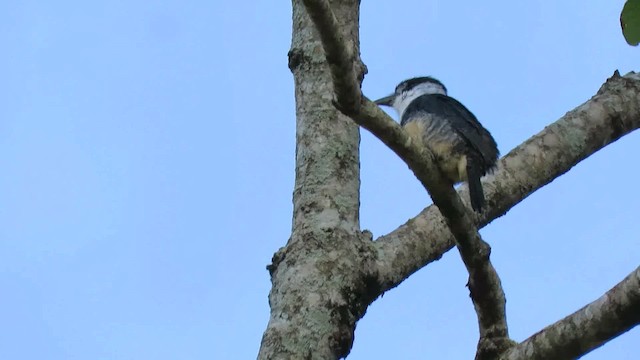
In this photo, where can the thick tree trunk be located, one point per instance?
(329, 272)
(316, 295)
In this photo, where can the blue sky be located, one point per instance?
(147, 155)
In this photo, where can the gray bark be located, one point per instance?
(610, 114)
(320, 285)
(329, 272)
(612, 314)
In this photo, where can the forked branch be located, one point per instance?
(484, 283)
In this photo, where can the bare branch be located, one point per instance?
(484, 283)
(488, 298)
(614, 313)
(612, 113)
(369, 116)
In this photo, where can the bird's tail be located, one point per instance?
(476, 194)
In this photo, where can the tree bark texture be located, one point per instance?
(612, 314)
(321, 279)
(610, 114)
(329, 272)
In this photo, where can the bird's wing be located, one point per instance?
(461, 120)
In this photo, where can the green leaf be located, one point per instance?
(630, 22)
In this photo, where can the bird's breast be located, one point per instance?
(444, 142)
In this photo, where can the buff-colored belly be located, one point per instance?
(452, 164)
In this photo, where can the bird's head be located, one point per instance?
(410, 89)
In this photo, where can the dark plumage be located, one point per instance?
(465, 150)
(461, 120)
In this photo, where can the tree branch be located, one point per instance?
(614, 313)
(488, 299)
(612, 113)
(484, 284)
(368, 115)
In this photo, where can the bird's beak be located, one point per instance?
(386, 101)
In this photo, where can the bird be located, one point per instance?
(463, 148)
